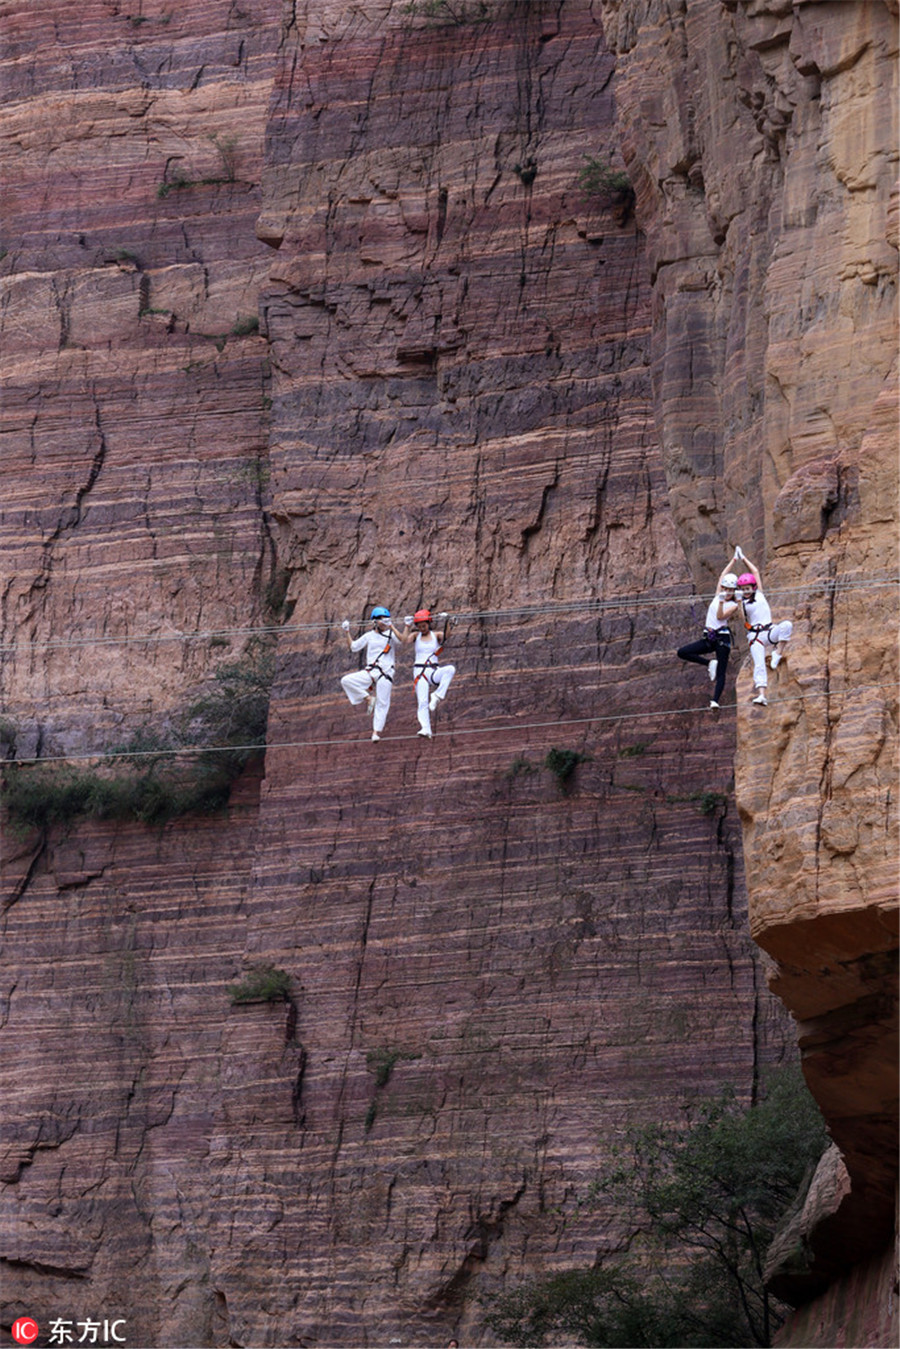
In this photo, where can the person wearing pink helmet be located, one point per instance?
(431, 680)
(764, 637)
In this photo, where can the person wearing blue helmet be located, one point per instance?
(373, 683)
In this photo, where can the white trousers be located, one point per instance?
(435, 679)
(361, 683)
(761, 644)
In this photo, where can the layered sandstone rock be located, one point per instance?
(134, 425)
(490, 975)
(761, 139)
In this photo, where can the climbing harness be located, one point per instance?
(430, 664)
(755, 629)
(374, 668)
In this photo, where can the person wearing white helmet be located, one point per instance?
(714, 647)
(765, 638)
(431, 680)
(373, 683)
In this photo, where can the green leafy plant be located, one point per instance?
(381, 1062)
(633, 751)
(155, 777)
(599, 179)
(700, 1204)
(563, 762)
(706, 800)
(180, 182)
(37, 797)
(263, 983)
(242, 327)
(227, 148)
(709, 802)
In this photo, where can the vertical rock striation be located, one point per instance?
(492, 971)
(311, 307)
(761, 139)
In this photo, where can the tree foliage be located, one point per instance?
(599, 179)
(699, 1204)
(155, 777)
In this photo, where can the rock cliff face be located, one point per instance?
(761, 138)
(451, 396)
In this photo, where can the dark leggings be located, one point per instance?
(697, 653)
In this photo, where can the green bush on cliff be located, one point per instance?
(154, 778)
(37, 797)
(599, 179)
(699, 1206)
(562, 763)
(263, 983)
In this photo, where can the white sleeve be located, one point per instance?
(359, 642)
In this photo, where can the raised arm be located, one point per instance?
(747, 565)
(729, 566)
(726, 609)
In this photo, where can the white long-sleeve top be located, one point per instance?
(380, 649)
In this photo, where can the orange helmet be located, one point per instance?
(422, 616)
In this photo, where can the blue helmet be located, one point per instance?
(380, 612)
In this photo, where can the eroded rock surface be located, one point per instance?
(492, 972)
(495, 393)
(761, 139)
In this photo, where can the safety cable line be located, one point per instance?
(590, 606)
(471, 730)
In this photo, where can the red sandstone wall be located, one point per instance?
(472, 396)
(761, 138)
(459, 411)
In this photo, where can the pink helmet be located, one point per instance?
(422, 616)
(747, 578)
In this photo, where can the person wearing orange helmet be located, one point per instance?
(431, 680)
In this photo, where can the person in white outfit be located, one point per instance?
(765, 638)
(431, 680)
(714, 647)
(373, 683)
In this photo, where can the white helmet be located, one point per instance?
(729, 581)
